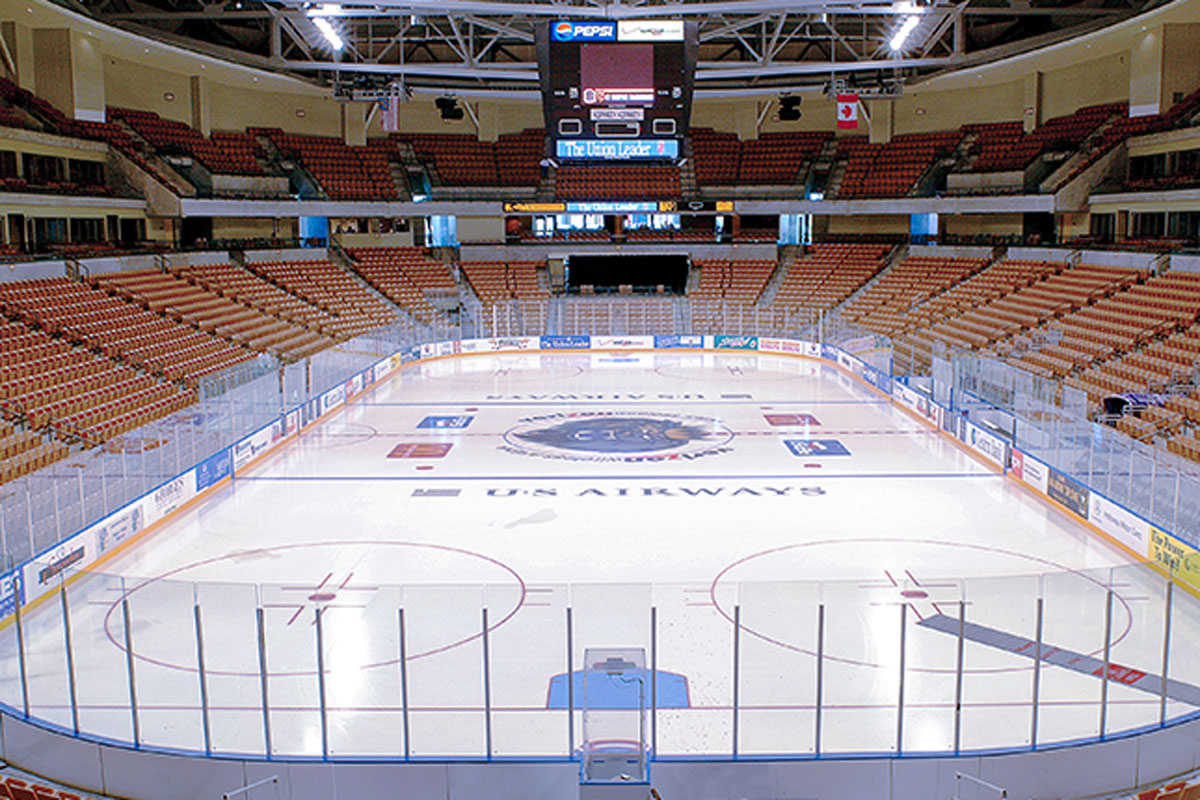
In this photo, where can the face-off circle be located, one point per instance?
(296, 604)
(924, 595)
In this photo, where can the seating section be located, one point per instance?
(632, 317)
(776, 158)
(120, 330)
(173, 296)
(405, 275)
(519, 157)
(888, 170)
(229, 154)
(828, 274)
(495, 281)
(973, 314)
(460, 159)
(353, 308)
(1131, 341)
(739, 280)
(773, 158)
(254, 292)
(1004, 152)
(884, 307)
(1174, 790)
(344, 172)
(617, 183)
(52, 384)
(18, 789)
(718, 155)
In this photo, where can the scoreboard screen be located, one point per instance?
(616, 90)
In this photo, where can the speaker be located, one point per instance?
(789, 109)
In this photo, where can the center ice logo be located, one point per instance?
(610, 436)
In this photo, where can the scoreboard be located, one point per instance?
(616, 90)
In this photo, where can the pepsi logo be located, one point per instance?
(563, 30)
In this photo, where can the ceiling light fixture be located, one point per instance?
(901, 35)
(331, 36)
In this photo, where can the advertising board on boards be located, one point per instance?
(1126, 527)
(1030, 471)
(1069, 492)
(675, 341)
(735, 342)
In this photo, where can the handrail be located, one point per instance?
(234, 792)
(958, 776)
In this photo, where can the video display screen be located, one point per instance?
(616, 91)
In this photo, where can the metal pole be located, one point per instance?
(737, 628)
(958, 677)
(262, 679)
(21, 644)
(1107, 654)
(653, 679)
(203, 680)
(66, 617)
(487, 689)
(133, 703)
(404, 686)
(1166, 657)
(820, 673)
(570, 686)
(321, 684)
(900, 692)
(1037, 675)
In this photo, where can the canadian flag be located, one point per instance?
(847, 112)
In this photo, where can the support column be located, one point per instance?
(201, 104)
(69, 69)
(1032, 113)
(880, 120)
(354, 123)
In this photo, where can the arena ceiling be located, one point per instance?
(485, 47)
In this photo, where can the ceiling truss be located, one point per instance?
(487, 47)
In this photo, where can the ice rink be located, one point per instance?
(615, 488)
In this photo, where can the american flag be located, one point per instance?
(389, 113)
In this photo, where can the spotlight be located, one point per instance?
(449, 109)
(331, 35)
(901, 35)
(789, 109)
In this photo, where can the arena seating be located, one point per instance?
(717, 155)
(1142, 338)
(776, 158)
(460, 159)
(230, 154)
(888, 170)
(17, 789)
(617, 183)
(828, 274)
(1001, 151)
(884, 306)
(50, 383)
(641, 316)
(494, 281)
(171, 295)
(404, 275)
(737, 280)
(119, 329)
(354, 309)
(973, 313)
(344, 172)
(519, 156)
(252, 291)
